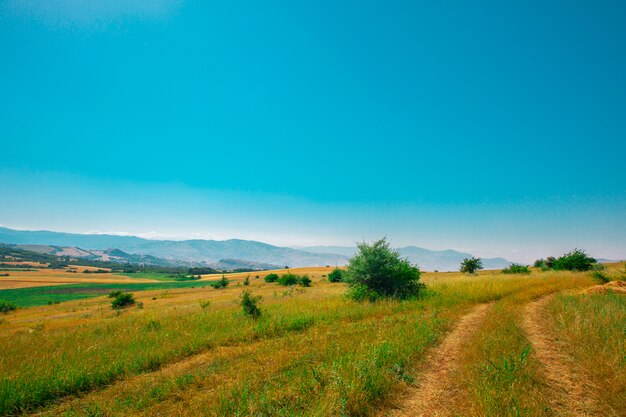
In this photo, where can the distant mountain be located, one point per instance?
(204, 251)
(427, 260)
(226, 254)
(106, 255)
(606, 261)
(233, 264)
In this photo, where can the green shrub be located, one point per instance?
(305, 281)
(516, 269)
(471, 265)
(221, 283)
(249, 304)
(378, 271)
(271, 278)
(205, 304)
(6, 307)
(336, 275)
(115, 293)
(576, 260)
(123, 300)
(288, 279)
(600, 276)
(246, 281)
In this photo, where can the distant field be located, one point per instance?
(157, 276)
(473, 345)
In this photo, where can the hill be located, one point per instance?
(203, 251)
(248, 254)
(426, 259)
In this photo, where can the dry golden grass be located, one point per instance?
(313, 352)
(47, 277)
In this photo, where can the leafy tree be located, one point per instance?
(379, 271)
(336, 275)
(305, 281)
(471, 265)
(222, 283)
(516, 269)
(249, 304)
(123, 300)
(288, 279)
(271, 277)
(6, 307)
(576, 260)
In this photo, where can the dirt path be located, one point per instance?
(572, 395)
(434, 393)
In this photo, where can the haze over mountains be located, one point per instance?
(234, 253)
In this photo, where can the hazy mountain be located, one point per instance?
(207, 251)
(233, 264)
(235, 252)
(427, 260)
(105, 255)
(606, 261)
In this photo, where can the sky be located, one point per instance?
(497, 128)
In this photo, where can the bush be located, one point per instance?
(6, 307)
(545, 264)
(288, 279)
(471, 265)
(222, 283)
(576, 260)
(600, 276)
(123, 300)
(246, 281)
(115, 293)
(204, 304)
(305, 281)
(516, 269)
(336, 275)
(271, 278)
(249, 304)
(378, 271)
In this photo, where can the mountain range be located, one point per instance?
(234, 252)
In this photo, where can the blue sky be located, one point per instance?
(493, 127)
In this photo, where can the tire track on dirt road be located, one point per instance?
(572, 394)
(433, 394)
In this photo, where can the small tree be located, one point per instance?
(271, 277)
(288, 279)
(249, 304)
(576, 260)
(6, 307)
(246, 281)
(516, 269)
(471, 265)
(305, 281)
(336, 275)
(222, 283)
(378, 271)
(123, 300)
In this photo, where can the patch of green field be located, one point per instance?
(157, 276)
(36, 296)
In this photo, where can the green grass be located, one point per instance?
(36, 296)
(593, 330)
(316, 353)
(157, 276)
(500, 375)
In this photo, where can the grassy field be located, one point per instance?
(191, 351)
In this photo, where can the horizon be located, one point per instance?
(495, 130)
(299, 247)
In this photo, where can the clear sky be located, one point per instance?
(488, 126)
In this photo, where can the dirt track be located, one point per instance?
(433, 394)
(572, 396)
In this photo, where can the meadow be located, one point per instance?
(187, 349)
